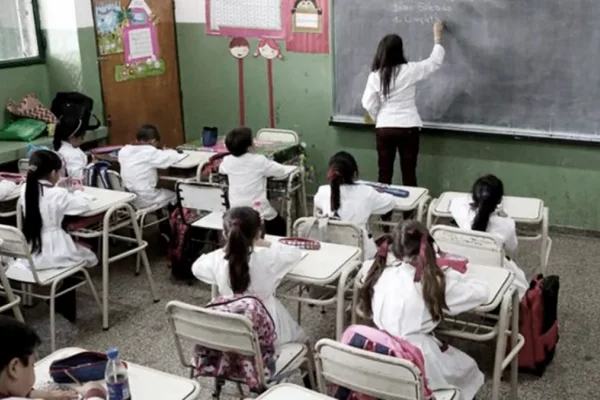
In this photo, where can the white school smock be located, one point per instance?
(399, 309)
(139, 165)
(357, 204)
(399, 109)
(74, 160)
(58, 248)
(503, 228)
(268, 266)
(247, 176)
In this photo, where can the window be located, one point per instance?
(19, 33)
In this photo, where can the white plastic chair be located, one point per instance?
(233, 333)
(330, 231)
(206, 198)
(12, 301)
(376, 375)
(481, 248)
(277, 135)
(23, 165)
(15, 246)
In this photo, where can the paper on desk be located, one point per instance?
(82, 194)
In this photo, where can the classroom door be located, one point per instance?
(153, 99)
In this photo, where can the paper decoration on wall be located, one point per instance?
(240, 48)
(308, 25)
(245, 18)
(140, 44)
(150, 67)
(109, 22)
(270, 50)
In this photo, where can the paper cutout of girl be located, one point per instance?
(240, 48)
(270, 50)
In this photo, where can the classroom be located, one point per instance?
(213, 190)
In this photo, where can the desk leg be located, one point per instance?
(543, 247)
(430, 210)
(421, 208)
(514, 339)
(11, 297)
(105, 256)
(501, 343)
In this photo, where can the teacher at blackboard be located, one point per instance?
(389, 99)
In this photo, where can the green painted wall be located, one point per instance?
(17, 82)
(564, 175)
(90, 75)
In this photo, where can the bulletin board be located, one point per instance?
(245, 18)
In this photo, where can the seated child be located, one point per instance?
(347, 201)
(251, 265)
(247, 173)
(483, 214)
(68, 136)
(407, 295)
(45, 206)
(17, 359)
(139, 164)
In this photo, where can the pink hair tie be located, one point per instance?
(332, 174)
(236, 222)
(383, 249)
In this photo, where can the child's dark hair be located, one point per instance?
(147, 133)
(343, 170)
(487, 195)
(411, 242)
(67, 127)
(241, 226)
(238, 141)
(388, 59)
(41, 164)
(18, 341)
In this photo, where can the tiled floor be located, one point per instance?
(141, 333)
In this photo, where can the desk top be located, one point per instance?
(291, 392)
(521, 209)
(498, 280)
(415, 195)
(145, 383)
(321, 266)
(15, 150)
(193, 160)
(105, 199)
(214, 221)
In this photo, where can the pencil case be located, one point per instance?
(82, 367)
(454, 261)
(396, 192)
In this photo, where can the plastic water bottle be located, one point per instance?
(117, 378)
(257, 207)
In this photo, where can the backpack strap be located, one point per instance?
(234, 299)
(322, 224)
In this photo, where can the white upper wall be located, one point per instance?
(57, 14)
(190, 11)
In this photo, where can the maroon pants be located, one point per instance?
(406, 142)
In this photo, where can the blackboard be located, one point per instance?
(522, 67)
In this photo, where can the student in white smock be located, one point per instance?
(407, 295)
(344, 200)
(483, 213)
(247, 173)
(140, 163)
(17, 363)
(68, 137)
(251, 265)
(44, 207)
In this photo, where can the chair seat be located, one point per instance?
(446, 394)
(291, 356)
(20, 273)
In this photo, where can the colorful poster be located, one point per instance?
(109, 22)
(141, 70)
(307, 23)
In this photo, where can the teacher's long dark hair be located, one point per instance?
(387, 60)
(41, 166)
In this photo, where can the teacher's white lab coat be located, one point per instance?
(399, 309)
(357, 204)
(58, 248)
(502, 227)
(74, 160)
(268, 266)
(139, 165)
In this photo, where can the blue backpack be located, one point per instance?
(95, 171)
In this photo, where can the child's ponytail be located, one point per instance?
(241, 227)
(41, 164)
(335, 180)
(487, 194)
(379, 265)
(343, 170)
(432, 277)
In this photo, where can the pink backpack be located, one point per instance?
(372, 339)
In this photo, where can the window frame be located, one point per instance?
(41, 44)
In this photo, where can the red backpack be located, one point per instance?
(538, 324)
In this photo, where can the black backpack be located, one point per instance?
(76, 105)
